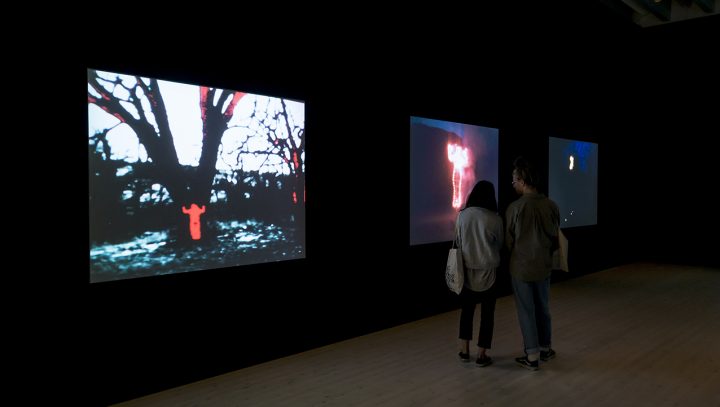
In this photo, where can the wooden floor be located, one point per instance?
(635, 335)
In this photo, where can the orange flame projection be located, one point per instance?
(194, 212)
(457, 155)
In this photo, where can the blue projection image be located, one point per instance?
(185, 177)
(446, 160)
(572, 180)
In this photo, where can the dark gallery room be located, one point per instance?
(271, 204)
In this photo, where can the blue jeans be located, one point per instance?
(531, 301)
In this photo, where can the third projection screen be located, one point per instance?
(572, 183)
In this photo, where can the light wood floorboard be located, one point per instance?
(634, 335)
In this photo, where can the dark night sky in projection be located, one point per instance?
(572, 180)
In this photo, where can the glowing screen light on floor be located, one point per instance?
(446, 160)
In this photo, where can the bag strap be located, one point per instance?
(457, 233)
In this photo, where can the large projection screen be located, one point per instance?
(446, 160)
(186, 177)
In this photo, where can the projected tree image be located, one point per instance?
(187, 177)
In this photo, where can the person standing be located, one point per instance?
(480, 233)
(533, 221)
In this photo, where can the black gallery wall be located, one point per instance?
(648, 98)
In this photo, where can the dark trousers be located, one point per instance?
(468, 300)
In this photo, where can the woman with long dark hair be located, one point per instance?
(480, 234)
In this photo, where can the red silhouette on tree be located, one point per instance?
(194, 213)
(184, 185)
(138, 103)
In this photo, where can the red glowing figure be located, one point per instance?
(194, 213)
(457, 155)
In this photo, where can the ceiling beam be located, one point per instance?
(660, 8)
(646, 13)
(707, 6)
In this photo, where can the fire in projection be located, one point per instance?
(446, 160)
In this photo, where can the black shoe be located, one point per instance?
(547, 355)
(464, 357)
(483, 361)
(524, 362)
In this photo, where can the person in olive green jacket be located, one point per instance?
(533, 221)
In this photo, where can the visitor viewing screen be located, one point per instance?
(185, 177)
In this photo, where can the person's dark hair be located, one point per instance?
(525, 171)
(483, 196)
